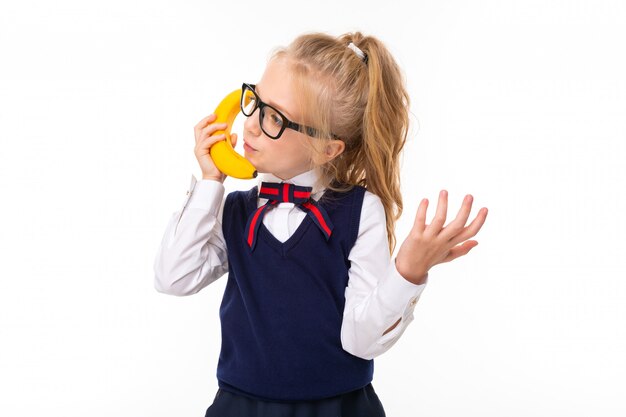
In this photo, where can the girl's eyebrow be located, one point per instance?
(271, 103)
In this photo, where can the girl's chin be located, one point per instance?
(257, 165)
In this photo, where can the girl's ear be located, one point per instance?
(333, 149)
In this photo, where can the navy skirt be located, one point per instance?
(362, 402)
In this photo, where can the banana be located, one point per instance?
(226, 159)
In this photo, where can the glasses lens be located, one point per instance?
(248, 102)
(272, 121)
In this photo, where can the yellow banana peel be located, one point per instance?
(226, 159)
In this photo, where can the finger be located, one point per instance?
(456, 226)
(214, 127)
(210, 130)
(202, 123)
(420, 217)
(209, 141)
(473, 228)
(233, 139)
(460, 250)
(440, 215)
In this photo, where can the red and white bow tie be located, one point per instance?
(287, 193)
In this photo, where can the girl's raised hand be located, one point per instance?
(429, 245)
(205, 138)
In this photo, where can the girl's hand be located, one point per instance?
(205, 138)
(429, 245)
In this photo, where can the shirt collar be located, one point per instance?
(306, 179)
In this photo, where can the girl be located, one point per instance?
(312, 294)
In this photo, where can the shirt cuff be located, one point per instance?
(397, 291)
(206, 195)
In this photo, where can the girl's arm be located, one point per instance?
(192, 253)
(379, 301)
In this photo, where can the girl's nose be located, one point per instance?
(251, 124)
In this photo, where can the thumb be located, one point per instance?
(233, 139)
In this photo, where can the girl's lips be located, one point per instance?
(248, 147)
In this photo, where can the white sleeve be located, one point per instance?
(377, 296)
(192, 253)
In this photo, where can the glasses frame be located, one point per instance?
(287, 124)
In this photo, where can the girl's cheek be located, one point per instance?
(249, 126)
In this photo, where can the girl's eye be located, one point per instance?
(275, 119)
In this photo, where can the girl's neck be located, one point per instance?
(303, 175)
(305, 179)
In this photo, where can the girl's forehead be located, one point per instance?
(276, 88)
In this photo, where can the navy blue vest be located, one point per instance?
(283, 304)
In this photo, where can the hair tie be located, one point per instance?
(358, 51)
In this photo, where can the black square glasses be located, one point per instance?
(273, 123)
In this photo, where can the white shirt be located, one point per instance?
(192, 255)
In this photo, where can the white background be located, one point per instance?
(520, 103)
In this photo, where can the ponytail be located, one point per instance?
(385, 127)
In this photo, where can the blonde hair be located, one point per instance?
(364, 102)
